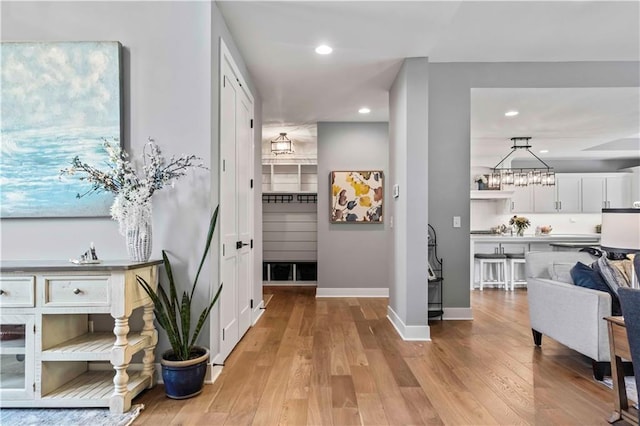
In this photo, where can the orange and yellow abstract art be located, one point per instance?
(357, 196)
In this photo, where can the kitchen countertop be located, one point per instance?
(551, 238)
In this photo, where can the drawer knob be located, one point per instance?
(77, 291)
(2, 292)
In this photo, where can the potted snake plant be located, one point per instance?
(184, 365)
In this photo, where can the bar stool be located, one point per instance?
(515, 259)
(497, 267)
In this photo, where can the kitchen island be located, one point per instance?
(497, 243)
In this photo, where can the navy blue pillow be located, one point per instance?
(585, 276)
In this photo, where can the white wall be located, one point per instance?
(170, 55)
(351, 255)
(486, 214)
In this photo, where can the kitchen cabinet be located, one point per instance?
(564, 197)
(522, 200)
(540, 247)
(290, 177)
(52, 356)
(600, 192)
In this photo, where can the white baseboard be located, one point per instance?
(457, 314)
(257, 312)
(213, 372)
(408, 332)
(352, 292)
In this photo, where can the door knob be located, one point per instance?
(240, 244)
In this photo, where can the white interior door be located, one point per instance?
(236, 204)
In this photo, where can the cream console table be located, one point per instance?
(50, 355)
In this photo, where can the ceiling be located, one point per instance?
(370, 39)
(577, 123)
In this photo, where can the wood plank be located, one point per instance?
(319, 410)
(370, 409)
(390, 395)
(363, 380)
(245, 407)
(343, 394)
(346, 416)
(272, 402)
(338, 354)
(418, 402)
(232, 380)
(300, 378)
(294, 412)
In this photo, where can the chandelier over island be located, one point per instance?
(521, 176)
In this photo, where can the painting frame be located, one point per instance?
(357, 196)
(79, 87)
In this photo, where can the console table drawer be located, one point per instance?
(17, 292)
(76, 291)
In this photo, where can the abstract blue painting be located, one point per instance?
(59, 100)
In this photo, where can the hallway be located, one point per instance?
(339, 361)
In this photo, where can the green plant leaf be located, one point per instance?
(160, 311)
(185, 316)
(172, 285)
(203, 317)
(174, 316)
(212, 227)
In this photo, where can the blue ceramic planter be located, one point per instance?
(184, 379)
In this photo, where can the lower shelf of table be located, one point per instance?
(93, 385)
(90, 389)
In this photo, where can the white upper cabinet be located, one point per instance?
(569, 193)
(618, 191)
(600, 192)
(522, 200)
(564, 197)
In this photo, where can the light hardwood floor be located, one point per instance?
(340, 362)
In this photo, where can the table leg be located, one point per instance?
(120, 401)
(617, 375)
(149, 357)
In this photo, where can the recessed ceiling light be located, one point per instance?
(511, 113)
(544, 151)
(364, 110)
(323, 50)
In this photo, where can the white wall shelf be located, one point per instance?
(289, 178)
(490, 195)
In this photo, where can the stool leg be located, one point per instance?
(481, 275)
(513, 274)
(505, 276)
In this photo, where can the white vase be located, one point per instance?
(138, 239)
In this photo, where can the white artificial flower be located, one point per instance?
(133, 190)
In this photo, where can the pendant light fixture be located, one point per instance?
(507, 176)
(281, 145)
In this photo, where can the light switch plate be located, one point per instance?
(456, 221)
(396, 191)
